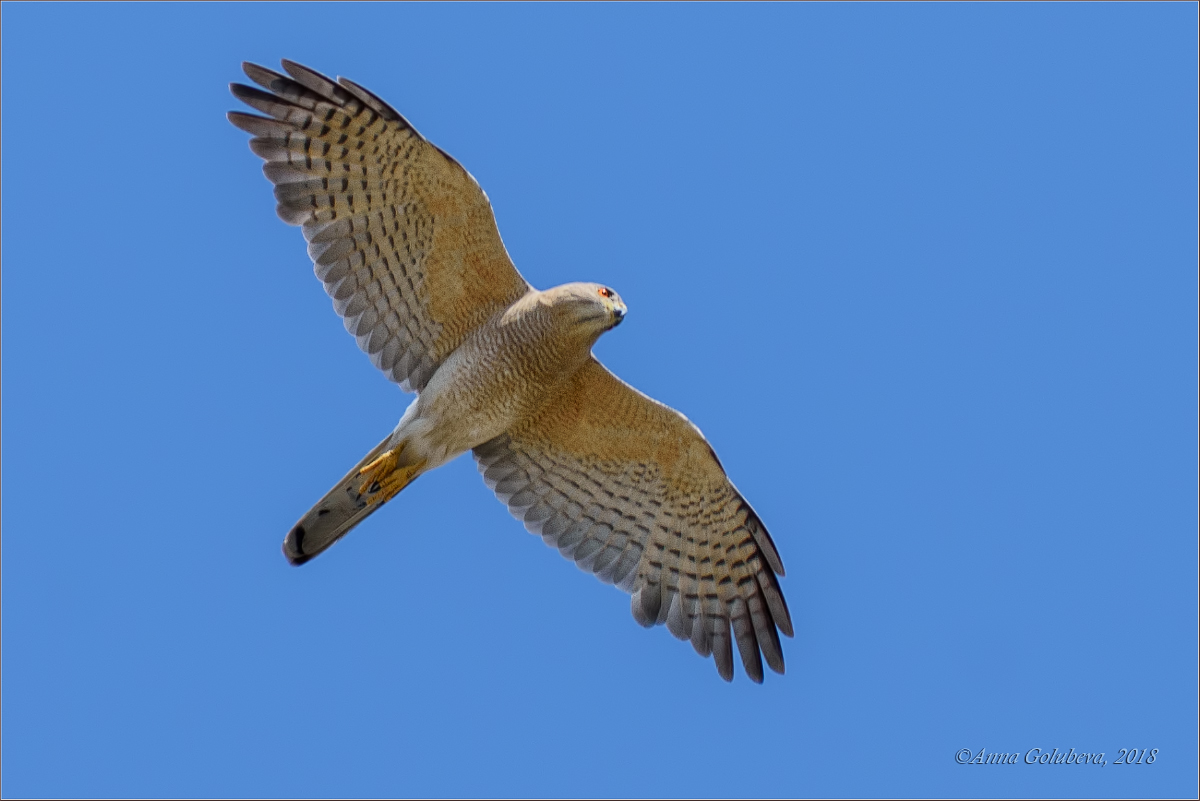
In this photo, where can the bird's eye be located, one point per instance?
(605, 292)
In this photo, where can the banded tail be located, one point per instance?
(347, 505)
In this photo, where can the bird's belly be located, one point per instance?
(474, 396)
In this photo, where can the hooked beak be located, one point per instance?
(619, 310)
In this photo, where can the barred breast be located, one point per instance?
(505, 371)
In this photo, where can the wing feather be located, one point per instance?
(402, 236)
(630, 490)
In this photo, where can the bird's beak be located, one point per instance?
(619, 310)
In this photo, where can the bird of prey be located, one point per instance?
(405, 242)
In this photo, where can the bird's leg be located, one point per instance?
(384, 477)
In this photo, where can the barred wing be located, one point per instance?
(631, 491)
(402, 236)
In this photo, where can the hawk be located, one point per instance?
(405, 242)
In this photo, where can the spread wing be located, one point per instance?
(631, 491)
(402, 236)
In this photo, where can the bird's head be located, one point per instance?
(594, 308)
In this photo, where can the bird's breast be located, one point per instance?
(500, 375)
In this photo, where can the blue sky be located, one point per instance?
(925, 275)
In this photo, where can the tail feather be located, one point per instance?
(342, 508)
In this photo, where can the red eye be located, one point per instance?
(605, 292)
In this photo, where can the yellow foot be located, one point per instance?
(384, 478)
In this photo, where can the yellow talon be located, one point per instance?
(384, 478)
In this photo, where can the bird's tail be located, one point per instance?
(371, 483)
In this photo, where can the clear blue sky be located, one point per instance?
(925, 275)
